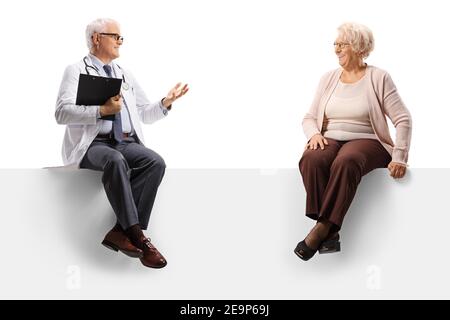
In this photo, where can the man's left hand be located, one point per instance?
(176, 92)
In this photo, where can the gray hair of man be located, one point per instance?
(98, 25)
(359, 36)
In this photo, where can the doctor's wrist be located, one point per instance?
(101, 111)
(166, 103)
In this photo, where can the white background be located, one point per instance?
(252, 66)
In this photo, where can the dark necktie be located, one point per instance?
(117, 123)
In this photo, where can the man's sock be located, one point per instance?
(117, 227)
(135, 235)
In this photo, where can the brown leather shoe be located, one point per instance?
(117, 240)
(152, 257)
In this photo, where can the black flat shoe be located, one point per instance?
(303, 251)
(330, 245)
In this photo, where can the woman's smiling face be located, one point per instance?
(345, 53)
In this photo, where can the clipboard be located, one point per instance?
(95, 91)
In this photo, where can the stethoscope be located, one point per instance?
(125, 85)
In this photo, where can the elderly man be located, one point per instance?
(131, 172)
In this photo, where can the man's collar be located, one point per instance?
(97, 62)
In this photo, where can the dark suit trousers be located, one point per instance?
(331, 176)
(131, 177)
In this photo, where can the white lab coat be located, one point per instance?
(82, 123)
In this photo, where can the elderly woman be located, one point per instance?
(348, 136)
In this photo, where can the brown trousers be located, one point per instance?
(332, 175)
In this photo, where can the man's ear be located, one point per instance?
(95, 38)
